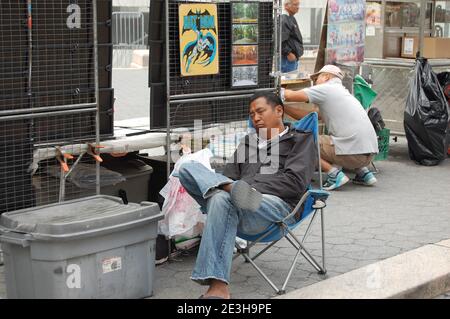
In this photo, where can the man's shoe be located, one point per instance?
(335, 182)
(368, 179)
(245, 197)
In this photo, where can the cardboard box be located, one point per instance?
(392, 46)
(433, 48)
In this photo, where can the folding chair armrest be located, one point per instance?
(298, 206)
(319, 194)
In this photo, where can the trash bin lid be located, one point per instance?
(78, 218)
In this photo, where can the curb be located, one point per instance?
(420, 273)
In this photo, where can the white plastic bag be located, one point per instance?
(182, 214)
(203, 157)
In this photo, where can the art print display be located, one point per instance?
(245, 33)
(343, 55)
(345, 35)
(199, 40)
(346, 10)
(245, 54)
(373, 13)
(245, 76)
(245, 12)
(346, 31)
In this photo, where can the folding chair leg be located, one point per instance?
(306, 254)
(264, 250)
(324, 270)
(262, 273)
(283, 289)
(309, 226)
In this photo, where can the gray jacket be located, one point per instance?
(293, 172)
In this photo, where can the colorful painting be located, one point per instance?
(199, 40)
(346, 55)
(373, 13)
(346, 31)
(245, 55)
(245, 12)
(244, 76)
(245, 34)
(345, 35)
(346, 10)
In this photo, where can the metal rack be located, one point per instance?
(377, 46)
(48, 99)
(390, 76)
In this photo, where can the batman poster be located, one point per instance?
(199, 41)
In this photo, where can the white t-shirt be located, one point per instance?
(347, 122)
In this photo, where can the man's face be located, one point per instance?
(322, 78)
(265, 116)
(292, 8)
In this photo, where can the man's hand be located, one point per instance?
(291, 57)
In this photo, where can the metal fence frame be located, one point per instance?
(128, 35)
(53, 113)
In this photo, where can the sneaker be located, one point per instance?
(367, 179)
(335, 182)
(162, 250)
(245, 197)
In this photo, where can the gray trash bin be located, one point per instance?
(95, 247)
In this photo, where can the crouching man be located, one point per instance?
(352, 142)
(261, 184)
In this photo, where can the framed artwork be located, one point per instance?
(244, 55)
(373, 13)
(245, 12)
(345, 35)
(346, 10)
(199, 40)
(346, 31)
(245, 33)
(244, 76)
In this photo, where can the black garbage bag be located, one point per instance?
(426, 117)
(444, 80)
(376, 119)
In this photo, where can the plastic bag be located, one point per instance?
(444, 81)
(181, 212)
(426, 117)
(376, 119)
(203, 157)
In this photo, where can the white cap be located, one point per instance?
(329, 69)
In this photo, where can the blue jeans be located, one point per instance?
(216, 247)
(288, 66)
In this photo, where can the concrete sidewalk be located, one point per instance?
(420, 273)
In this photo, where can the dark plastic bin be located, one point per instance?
(137, 176)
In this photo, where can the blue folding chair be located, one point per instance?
(313, 203)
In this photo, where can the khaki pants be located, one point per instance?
(351, 162)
